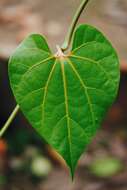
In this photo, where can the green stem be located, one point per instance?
(8, 122)
(68, 38)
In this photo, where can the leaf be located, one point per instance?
(65, 97)
(106, 167)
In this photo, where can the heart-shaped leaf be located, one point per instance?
(65, 97)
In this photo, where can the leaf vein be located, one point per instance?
(85, 89)
(46, 88)
(93, 61)
(84, 45)
(31, 68)
(67, 112)
(30, 93)
(34, 49)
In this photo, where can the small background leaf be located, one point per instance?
(106, 167)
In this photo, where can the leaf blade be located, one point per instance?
(66, 97)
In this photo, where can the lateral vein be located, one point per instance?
(46, 88)
(85, 89)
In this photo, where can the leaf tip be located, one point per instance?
(72, 172)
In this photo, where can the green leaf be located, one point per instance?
(106, 167)
(65, 97)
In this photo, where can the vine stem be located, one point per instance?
(69, 35)
(8, 122)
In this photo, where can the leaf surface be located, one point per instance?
(65, 97)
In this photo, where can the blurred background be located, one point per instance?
(26, 161)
